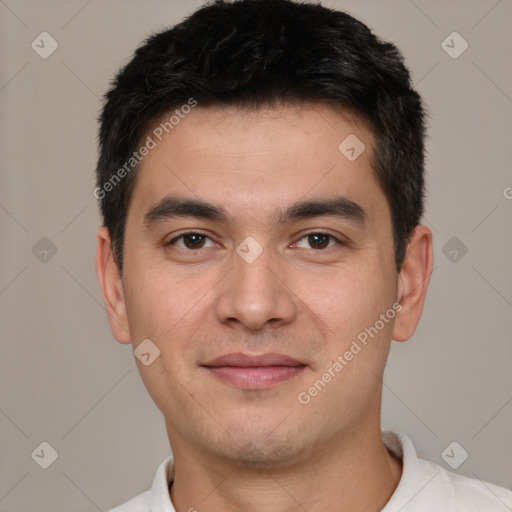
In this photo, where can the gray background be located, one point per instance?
(64, 380)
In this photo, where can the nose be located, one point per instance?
(255, 293)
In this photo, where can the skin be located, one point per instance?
(262, 450)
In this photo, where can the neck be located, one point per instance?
(354, 473)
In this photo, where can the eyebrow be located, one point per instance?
(172, 206)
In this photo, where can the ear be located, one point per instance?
(413, 282)
(111, 286)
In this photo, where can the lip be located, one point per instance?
(242, 360)
(254, 371)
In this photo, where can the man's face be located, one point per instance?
(264, 278)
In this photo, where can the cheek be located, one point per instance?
(346, 300)
(169, 307)
(168, 310)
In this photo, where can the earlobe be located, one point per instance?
(111, 286)
(413, 282)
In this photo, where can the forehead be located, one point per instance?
(254, 161)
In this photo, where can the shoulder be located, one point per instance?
(425, 486)
(138, 504)
(463, 494)
(156, 498)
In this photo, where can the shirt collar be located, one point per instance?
(160, 500)
(415, 475)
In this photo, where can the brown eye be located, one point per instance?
(318, 241)
(194, 241)
(191, 241)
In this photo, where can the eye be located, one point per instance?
(192, 241)
(318, 241)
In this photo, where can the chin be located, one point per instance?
(264, 451)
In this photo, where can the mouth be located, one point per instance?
(254, 372)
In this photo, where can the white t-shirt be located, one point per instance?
(423, 487)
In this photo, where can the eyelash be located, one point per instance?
(200, 233)
(171, 242)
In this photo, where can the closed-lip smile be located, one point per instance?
(254, 371)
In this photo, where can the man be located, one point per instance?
(261, 185)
